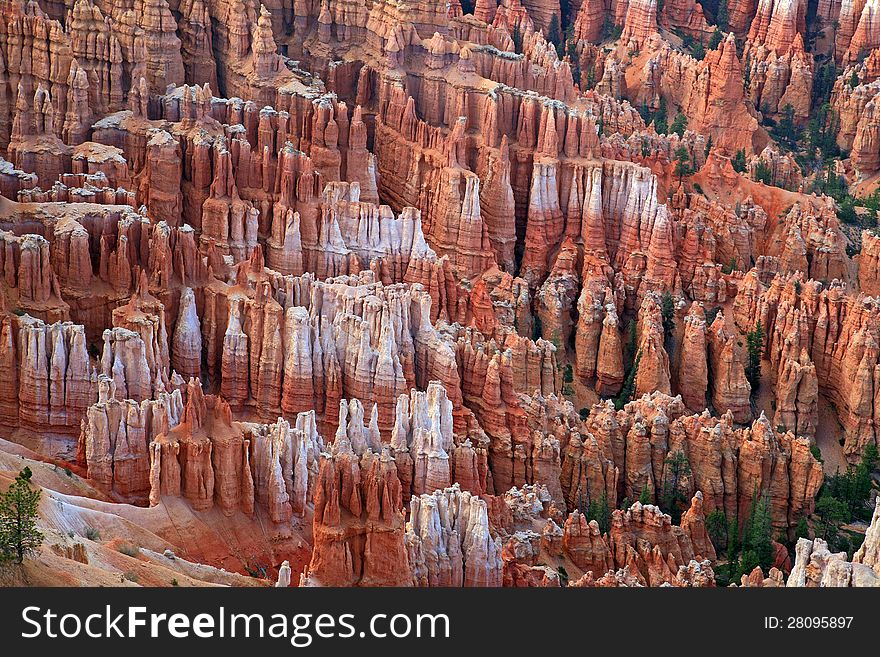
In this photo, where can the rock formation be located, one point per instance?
(435, 280)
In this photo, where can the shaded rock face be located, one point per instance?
(382, 268)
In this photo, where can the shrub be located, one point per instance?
(129, 550)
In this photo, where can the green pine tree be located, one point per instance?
(661, 127)
(18, 511)
(682, 162)
(716, 527)
(679, 123)
(601, 513)
(674, 494)
(667, 311)
(755, 344)
(628, 385)
(739, 161)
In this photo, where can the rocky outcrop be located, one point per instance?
(204, 458)
(809, 324)
(449, 542)
(815, 565)
(302, 263)
(116, 436)
(727, 463)
(693, 366)
(359, 521)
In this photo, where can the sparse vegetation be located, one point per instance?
(610, 31)
(129, 550)
(763, 173)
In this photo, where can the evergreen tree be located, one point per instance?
(763, 173)
(682, 164)
(786, 132)
(661, 126)
(628, 385)
(823, 83)
(803, 529)
(755, 344)
(18, 510)
(832, 512)
(554, 34)
(758, 534)
(674, 494)
(716, 38)
(854, 80)
(667, 310)
(739, 160)
(645, 496)
(679, 123)
(708, 146)
(733, 544)
(516, 37)
(716, 527)
(601, 513)
(722, 18)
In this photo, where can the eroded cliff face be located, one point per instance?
(427, 284)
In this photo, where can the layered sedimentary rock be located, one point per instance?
(359, 521)
(116, 436)
(324, 258)
(728, 463)
(449, 542)
(823, 328)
